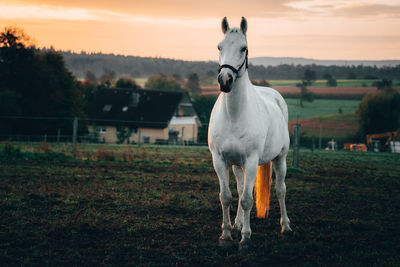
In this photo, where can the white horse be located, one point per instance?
(248, 130)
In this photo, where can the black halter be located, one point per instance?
(236, 71)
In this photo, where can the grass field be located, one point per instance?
(319, 107)
(160, 207)
(340, 83)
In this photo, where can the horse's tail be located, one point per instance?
(263, 189)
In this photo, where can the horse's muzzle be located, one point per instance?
(225, 81)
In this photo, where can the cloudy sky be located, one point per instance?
(190, 30)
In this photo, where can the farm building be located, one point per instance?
(145, 116)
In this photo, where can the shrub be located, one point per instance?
(379, 112)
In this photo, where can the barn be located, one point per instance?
(143, 116)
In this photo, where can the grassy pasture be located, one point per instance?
(319, 107)
(322, 83)
(340, 83)
(160, 206)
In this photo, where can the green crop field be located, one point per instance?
(159, 206)
(322, 83)
(319, 107)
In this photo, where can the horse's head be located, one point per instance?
(233, 55)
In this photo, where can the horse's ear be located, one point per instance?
(225, 25)
(243, 25)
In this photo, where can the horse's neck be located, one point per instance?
(238, 99)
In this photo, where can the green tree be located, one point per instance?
(38, 84)
(161, 82)
(89, 92)
(125, 82)
(330, 81)
(107, 78)
(383, 84)
(91, 77)
(351, 75)
(193, 85)
(14, 37)
(123, 134)
(203, 106)
(379, 112)
(309, 77)
(305, 95)
(211, 73)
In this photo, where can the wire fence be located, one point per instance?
(313, 134)
(91, 130)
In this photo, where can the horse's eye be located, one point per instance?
(244, 48)
(219, 48)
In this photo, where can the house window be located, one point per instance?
(146, 139)
(107, 108)
(101, 129)
(124, 108)
(134, 130)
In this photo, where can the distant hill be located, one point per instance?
(259, 68)
(275, 61)
(134, 66)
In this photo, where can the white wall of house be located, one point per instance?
(186, 126)
(108, 134)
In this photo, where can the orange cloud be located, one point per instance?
(174, 8)
(191, 29)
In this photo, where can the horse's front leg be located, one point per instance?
(246, 201)
(225, 197)
(238, 172)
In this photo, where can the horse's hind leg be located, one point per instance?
(225, 198)
(280, 187)
(238, 172)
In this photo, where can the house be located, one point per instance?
(145, 116)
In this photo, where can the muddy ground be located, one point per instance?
(161, 208)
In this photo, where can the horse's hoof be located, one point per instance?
(225, 242)
(286, 230)
(244, 245)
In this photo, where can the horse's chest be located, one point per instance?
(232, 145)
(232, 150)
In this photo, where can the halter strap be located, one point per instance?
(236, 71)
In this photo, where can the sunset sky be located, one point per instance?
(190, 30)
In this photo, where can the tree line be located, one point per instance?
(136, 67)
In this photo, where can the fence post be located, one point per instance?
(58, 135)
(139, 136)
(313, 144)
(296, 145)
(320, 135)
(74, 135)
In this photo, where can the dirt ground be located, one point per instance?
(160, 209)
